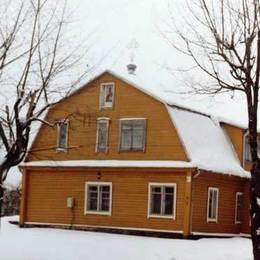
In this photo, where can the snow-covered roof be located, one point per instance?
(205, 141)
(111, 163)
(207, 145)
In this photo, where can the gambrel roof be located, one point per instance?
(205, 141)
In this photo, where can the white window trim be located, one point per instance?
(59, 149)
(102, 93)
(212, 219)
(145, 134)
(106, 120)
(174, 185)
(86, 211)
(237, 194)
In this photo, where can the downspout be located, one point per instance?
(197, 171)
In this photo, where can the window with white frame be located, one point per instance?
(212, 214)
(239, 205)
(102, 135)
(247, 152)
(98, 197)
(107, 92)
(62, 132)
(132, 134)
(162, 200)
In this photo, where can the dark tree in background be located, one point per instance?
(222, 38)
(38, 66)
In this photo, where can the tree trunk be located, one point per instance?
(1, 198)
(255, 209)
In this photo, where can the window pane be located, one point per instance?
(102, 136)
(92, 203)
(126, 136)
(104, 198)
(168, 209)
(239, 206)
(107, 95)
(62, 138)
(92, 188)
(105, 188)
(156, 189)
(169, 190)
(156, 203)
(138, 138)
(212, 207)
(214, 204)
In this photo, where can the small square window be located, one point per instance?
(247, 151)
(98, 198)
(107, 95)
(132, 134)
(62, 138)
(162, 200)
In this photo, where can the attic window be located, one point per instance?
(107, 91)
(247, 152)
(132, 134)
(102, 135)
(62, 138)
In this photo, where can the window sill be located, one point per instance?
(98, 213)
(61, 150)
(161, 216)
(212, 221)
(132, 151)
(108, 107)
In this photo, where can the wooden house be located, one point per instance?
(120, 157)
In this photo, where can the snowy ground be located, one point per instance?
(53, 244)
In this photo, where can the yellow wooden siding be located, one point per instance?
(236, 136)
(228, 186)
(48, 190)
(162, 141)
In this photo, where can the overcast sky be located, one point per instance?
(107, 27)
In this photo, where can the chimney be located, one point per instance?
(131, 68)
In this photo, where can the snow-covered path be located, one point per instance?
(53, 244)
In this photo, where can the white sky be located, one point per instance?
(108, 27)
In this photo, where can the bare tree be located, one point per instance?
(222, 38)
(36, 63)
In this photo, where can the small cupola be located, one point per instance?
(132, 46)
(131, 68)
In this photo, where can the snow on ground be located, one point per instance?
(53, 244)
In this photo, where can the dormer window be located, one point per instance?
(62, 138)
(247, 152)
(107, 95)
